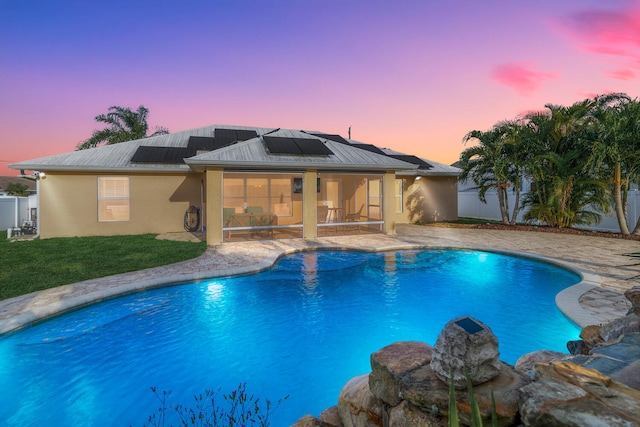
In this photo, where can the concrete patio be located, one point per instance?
(599, 298)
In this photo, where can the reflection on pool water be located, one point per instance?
(302, 328)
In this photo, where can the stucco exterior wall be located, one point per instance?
(428, 199)
(69, 204)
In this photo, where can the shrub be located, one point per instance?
(236, 409)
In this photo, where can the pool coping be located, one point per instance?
(24, 310)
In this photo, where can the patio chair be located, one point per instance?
(323, 212)
(355, 216)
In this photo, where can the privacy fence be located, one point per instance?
(14, 211)
(470, 206)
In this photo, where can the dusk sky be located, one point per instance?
(414, 76)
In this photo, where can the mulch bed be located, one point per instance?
(543, 229)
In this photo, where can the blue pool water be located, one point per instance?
(302, 328)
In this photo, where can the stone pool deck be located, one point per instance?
(599, 298)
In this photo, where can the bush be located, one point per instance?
(236, 409)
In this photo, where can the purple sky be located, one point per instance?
(415, 76)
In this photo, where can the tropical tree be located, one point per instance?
(123, 124)
(565, 192)
(493, 164)
(615, 154)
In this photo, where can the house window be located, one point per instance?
(398, 194)
(113, 199)
(270, 193)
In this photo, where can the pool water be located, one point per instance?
(302, 328)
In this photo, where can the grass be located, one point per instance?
(34, 265)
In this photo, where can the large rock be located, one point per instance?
(392, 362)
(466, 347)
(633, 295)
(617, 359)
(591, 335)
(330, 417)
(424, 390)
(527, 362)
(307, 421)
(357, 406)
(404, 415)
(629, 375)
(618, 327)
(565, 394)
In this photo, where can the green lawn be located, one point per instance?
(34, 265)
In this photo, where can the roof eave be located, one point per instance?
(426, 173)
(101, 169)
(201, 165)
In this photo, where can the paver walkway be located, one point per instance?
(598, 299)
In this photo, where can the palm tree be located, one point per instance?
(564, 189)
(616, 150)
(123, 125)
(490, 165)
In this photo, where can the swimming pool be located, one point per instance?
(302, 328)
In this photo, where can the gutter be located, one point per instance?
(36, 176)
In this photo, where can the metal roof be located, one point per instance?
(249, 154)
(252, 154)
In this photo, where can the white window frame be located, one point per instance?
(122, 196)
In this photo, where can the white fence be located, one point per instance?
(470, 206)
(15, 210)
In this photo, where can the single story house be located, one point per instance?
(239, 183)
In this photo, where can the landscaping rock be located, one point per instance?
(424, 390)
(565, 394)
(633, 295)
(307, 421)
(330, 417)
(357, 406)
(613, 358)
(591, 335)
(390, 363)
(629, 375)
(616, 328)
(466, 347)
(526, 363)
(576, 347)
(404, 415)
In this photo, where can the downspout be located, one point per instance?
(37, 235)
(35, 177)
(17, 211)
(202, 210)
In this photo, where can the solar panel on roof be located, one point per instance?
(200, 143)
(279, 145)
(282, 145)
(176, 155)
(369, 147)
(312, 146)
(245, 134)
(225, 137)
(412, 159)
(331, 137)
(159, 155)
(149, 154)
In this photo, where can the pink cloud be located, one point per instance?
(521, 77)
(623, 74)
(612, 33)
